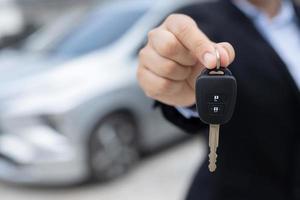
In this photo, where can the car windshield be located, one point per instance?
(97, 29)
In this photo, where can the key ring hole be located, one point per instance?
(218, 57)
(219, 72)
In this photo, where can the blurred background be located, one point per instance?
(73, 122)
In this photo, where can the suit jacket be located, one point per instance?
(259, 151)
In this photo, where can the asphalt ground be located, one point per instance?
(164, 176)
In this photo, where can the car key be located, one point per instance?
(216, 92)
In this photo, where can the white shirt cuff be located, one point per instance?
(187, 112)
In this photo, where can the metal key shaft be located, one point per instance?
(214, 132)
(213, 145)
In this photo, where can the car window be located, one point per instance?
(46, 37)
(98, 30)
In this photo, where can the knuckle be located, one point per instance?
(169, 48)
(201, 45)
(184, 28)
(149, 94)
(169, 68)
(175, 18)
(164, 87)
(152, 33)
(180, 24)
(142, 54)
(153, 93)
(172, 18)
(184, 25)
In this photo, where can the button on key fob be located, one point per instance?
(216, 96)
(216, 92)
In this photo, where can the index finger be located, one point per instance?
(187, 32)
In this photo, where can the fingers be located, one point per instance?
(191, 37)
(163, 67)
(165, 90)
(188, 33)
(227, 55)
(167, 45)
(230, 53)
(155, 85)
(175, 55)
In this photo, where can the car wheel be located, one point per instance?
(113, 147)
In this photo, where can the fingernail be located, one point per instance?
(208, 59)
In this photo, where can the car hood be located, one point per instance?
(63, 87)
(16, 65)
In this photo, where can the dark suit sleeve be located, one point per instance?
(192, 125)
(199, 13)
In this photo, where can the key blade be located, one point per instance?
(212, 167)
(214, 135)
(213, 144)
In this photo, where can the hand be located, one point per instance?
(176, 53)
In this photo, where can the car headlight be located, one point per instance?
(20, 123)
(12, 124)
(33, 138)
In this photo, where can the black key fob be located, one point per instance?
(216, 92)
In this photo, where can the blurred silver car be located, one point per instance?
(65, 123)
